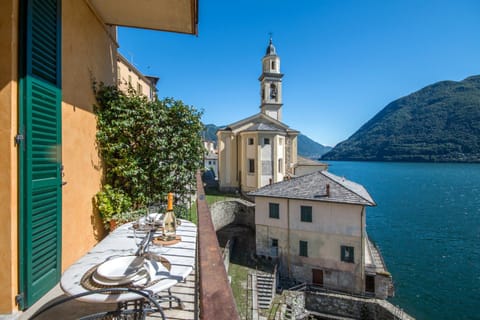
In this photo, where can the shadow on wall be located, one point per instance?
(233, 212)
(98, 230)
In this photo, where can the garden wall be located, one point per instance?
(235, 211)
(353, 307)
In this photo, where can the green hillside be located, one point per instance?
(306, 146)
(439, 123)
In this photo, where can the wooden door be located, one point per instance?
(317, 277)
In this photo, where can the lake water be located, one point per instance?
(427, 225)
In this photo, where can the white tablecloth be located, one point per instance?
(121, 242)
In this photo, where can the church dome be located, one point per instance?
(271, 51)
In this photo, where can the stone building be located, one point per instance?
(315, 226)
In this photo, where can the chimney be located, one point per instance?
(328, 190)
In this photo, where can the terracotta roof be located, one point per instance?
(313, 187)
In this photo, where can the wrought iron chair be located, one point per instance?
(135, 309)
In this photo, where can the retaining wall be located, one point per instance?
(353, 307)
(235, 211)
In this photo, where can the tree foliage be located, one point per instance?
(148, 148)
(439, 123)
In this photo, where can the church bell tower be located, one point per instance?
(271, 84)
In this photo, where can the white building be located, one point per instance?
(315, 226)
(260, 149)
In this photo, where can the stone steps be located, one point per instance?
(288, 313)
(264, 290)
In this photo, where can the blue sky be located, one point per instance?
(343, 60)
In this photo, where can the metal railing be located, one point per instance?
(215, 293)
(310, 287)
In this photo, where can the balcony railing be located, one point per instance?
(216, 297)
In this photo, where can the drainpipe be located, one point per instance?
(362, 260)
(288, 237)
(237, 168)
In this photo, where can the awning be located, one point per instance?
(165, 15)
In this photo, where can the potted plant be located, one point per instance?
(111, 203)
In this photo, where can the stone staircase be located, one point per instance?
(264, 290)
(288, 315)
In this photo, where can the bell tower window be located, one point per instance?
(274, 65)
(273, 91)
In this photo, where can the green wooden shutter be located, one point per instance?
(40, 151)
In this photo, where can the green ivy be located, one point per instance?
(148, 148)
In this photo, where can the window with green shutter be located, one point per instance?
(306, 213)
(274, 210)
(303, 248)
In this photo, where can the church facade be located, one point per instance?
(260, 149)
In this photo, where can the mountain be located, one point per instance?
(439, 123)
(210, 132)
(306, 146)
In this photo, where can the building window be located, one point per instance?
(129, 80)
(347, 254)
(274, 66)
(274, 248)
(119, 76)
(274, 210)
(250, 141)
(306, 213)
(303, 248)
(251, 165)
(266, 141)
(274, 243)
(273, 91)
(139, 88)
(280, 165)
(209, 162)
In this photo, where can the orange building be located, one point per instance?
(49, 165)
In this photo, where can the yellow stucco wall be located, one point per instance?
(125, 73)
(88, 52)
(227, 156)
(8, 154)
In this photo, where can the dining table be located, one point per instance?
(173, 261)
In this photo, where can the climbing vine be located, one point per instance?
(148, 148)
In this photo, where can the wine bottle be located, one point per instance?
(169, 220)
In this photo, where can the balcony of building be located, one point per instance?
(205, 293)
